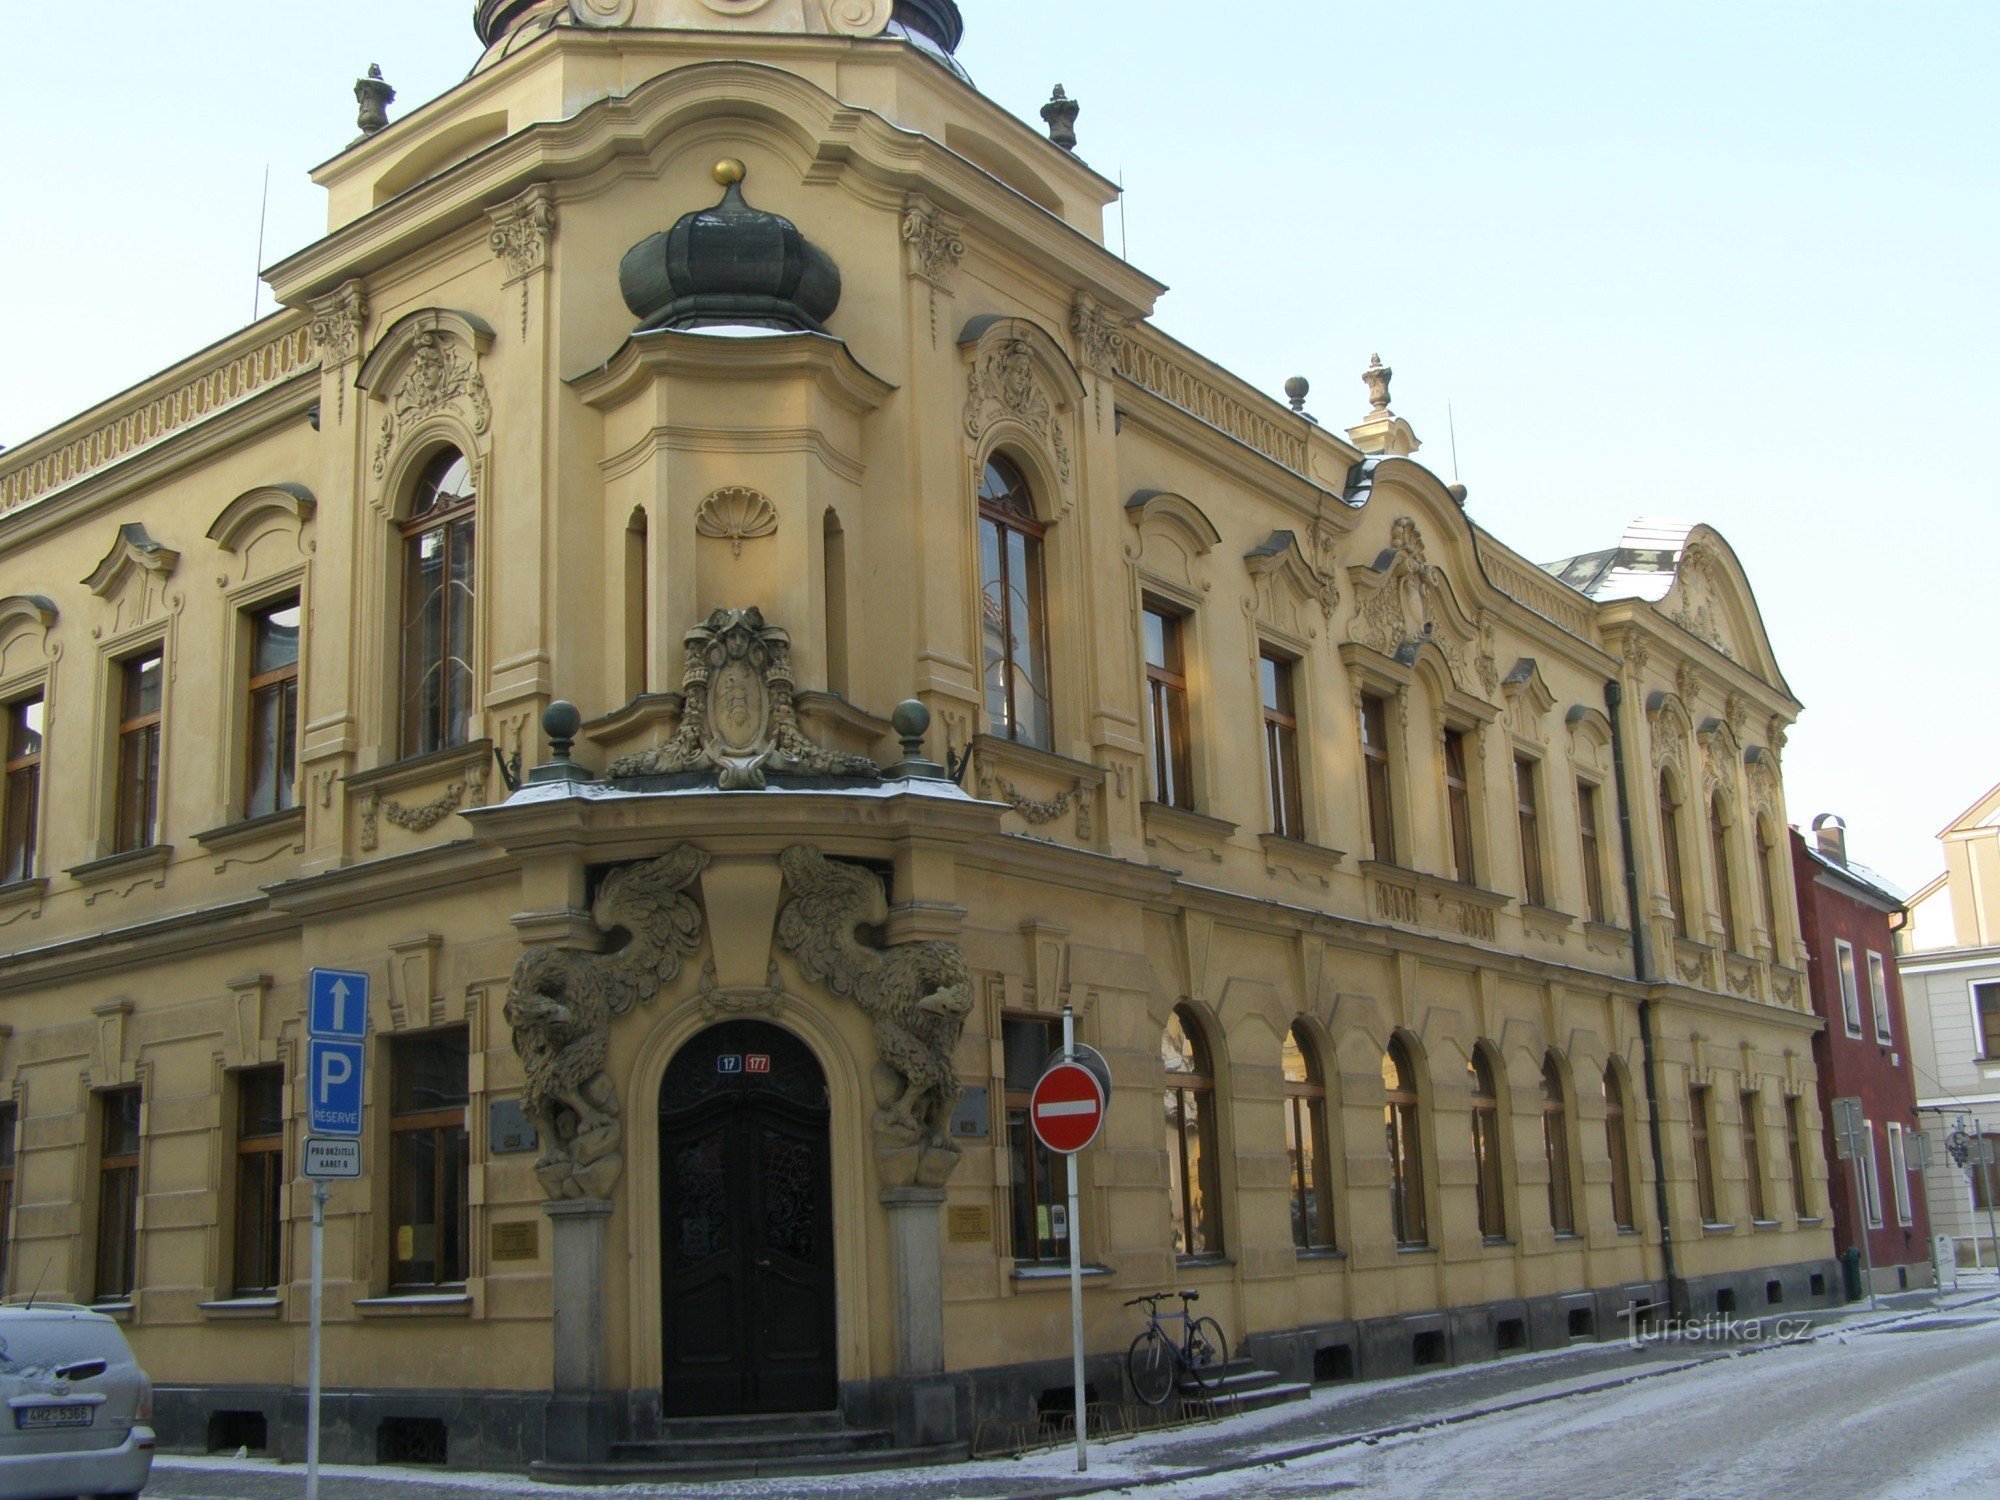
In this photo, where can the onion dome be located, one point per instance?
(730, 264)
(934, 25)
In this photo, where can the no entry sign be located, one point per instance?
(1067, 1108)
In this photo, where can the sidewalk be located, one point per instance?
(1335, 1416)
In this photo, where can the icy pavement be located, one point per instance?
(1873, 1404)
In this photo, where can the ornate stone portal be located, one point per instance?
(561, 1005)
(739, 719)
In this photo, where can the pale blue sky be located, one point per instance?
(1727, 261)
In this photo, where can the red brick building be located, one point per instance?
(1849, 915)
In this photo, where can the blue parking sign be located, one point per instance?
(337, 1004)
(333, 1087)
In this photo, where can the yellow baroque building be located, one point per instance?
(738, 374)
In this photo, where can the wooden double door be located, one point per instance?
(746, 1232)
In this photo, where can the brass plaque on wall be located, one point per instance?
(519, 1241)
(971, 1224)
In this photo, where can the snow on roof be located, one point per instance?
(1861, 875)
(1642, 566)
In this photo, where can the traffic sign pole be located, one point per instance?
(336, 1058)
(1075, 1268)
(318, 1298)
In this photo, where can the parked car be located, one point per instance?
(78, 1406)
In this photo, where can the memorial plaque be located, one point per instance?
(521, 1240)
(970, 1223)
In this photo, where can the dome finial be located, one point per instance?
(729, 171)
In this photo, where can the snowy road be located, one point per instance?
(1907, 1413)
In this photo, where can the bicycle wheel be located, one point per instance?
(1207, 1355)
(1149, 1364)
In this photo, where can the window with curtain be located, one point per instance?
(1013, 610)
(1275, 674)
(1753, 1155)
(1592, 851)
(1306, 1142)
(1528, 816)
(271, 784)
(137, 814)
(1704, 1165)
(1491, 1178)
(438, 594)
(260, 1179)
(1375, 764)
(21, 790)
(1035, 1180)
(1458, 807)
(1405, 1143)
(1725, 892)
(1192, 1163)
(1618, 1146)
(1167, 704)
(1670, 857)
(1555, 1148)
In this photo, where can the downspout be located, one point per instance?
(1614, 699)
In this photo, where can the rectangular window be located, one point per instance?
(1167, 702)
(1593, 852)
(1039, 1208)
(1375, 760)
(1871, 1178)
(1899, 1173)
(1281, 745)
(272, 785)
(137, 823)
(118, 1196)
(1670, 859)
(21, 791)
(1850, 986)
(1986, 1007)
(1704, 1166)
(1794, 1146)
(1985, 1174)
(260, 1179)
(427, 1161)
(1527, 809)
(1753, 1157)
(8, 1132)
(1878, 990)
(1458, 807)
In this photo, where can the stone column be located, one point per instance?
(926, 1406)
(580, 1419)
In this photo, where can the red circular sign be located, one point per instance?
(1067, 1108)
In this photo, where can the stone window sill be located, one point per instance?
(1204, 1263)
(1329, 1254)
(419, 1305)
(1497, 1242)
(1718, 1229)
(249, 830)
(1416, 1249)
(133, 861)
(1810, 1222)
(1546, 916)
(1040, 1277)
(121, 1311)
(1760, 1225)
(244, 1309)
(398, 775)
(1631, 1229)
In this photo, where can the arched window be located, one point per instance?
(1405, 1141)
(1013, 622)
(1555, 1147)
(1191, 1150)
(1615, 1143)
(1767, 882)
(437, 607)
(1486, 1147)
(1670, 856)
(1306, 1141)
(1718, 848)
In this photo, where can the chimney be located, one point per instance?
(1830, 832)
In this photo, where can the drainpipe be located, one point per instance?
(1614, 699)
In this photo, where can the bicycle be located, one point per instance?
(1155, 1362)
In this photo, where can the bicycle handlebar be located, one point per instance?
(1162, 1296)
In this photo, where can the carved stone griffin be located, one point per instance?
(917, 994)
(561, 1005)
(738, 718)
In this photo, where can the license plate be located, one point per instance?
(37, 1418)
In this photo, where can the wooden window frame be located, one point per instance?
(1025, 1151)
(1590, 843)
(1618, 1145)
(1528, 819)
(1699, 1128)
(1377, 775)
(1878, 999)
(140, 749)
(1458, 805)
(1795, 1152)
(117, 1229)
(1847, 979)
(1402, 1121)
(1198, 1086)
(450, 518)
(1281, 740)
(1167, 705)
(282, 683)
(1013, 514)
(1555, 1149)
(1725, 883)
(1488, 1153)
(1871, 1195)
(440, 1125)
(1748, 1103)
(260, 1177)
(1314, 1226)
(21, 787)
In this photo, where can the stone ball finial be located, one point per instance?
(374, 95)
(1296, 391)
(561, 722)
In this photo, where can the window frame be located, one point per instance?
(1182, 1173)
(1723, 874)
(438, 1124)
(122, 1169)
(1748, 1102)
(1378, 776)
(1014, 513)
(1618, 1146)
(1796, 1152)
(1025, 1149)
(10, 1165)
(1169, 709)
(1871, 1196)
(451, 518)
(1556, 1151)
(1528, 823)
(1767, 851)
(284, 682)
(1701, 1127)
(1847, 978)
(21, 831)
(1315, 1225)
(1989, 1039)
(1403, 1128)
(1489, 1155)
(1878, 998)
(1673, 856)
(140, 734)
(1283, 771)
(1459, 821)
(1590, 846)
(267, 1151)
(1899, 1176)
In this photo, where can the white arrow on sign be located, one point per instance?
(340, 994)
